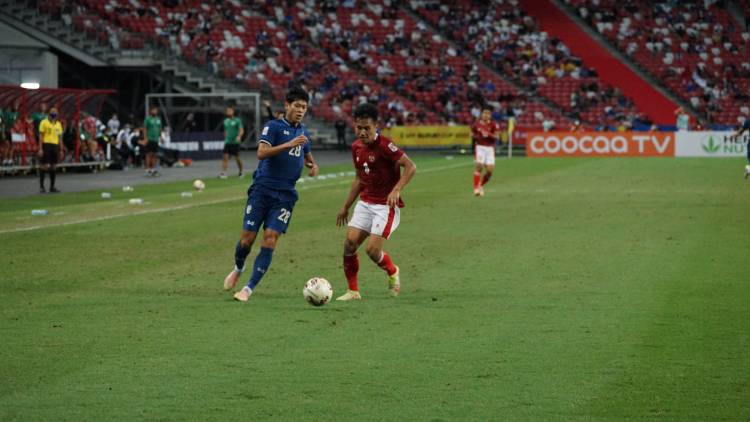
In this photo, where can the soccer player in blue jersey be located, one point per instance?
(283, 149)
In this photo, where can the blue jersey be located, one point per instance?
(281, 171)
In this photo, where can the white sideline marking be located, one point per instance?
(186, 206)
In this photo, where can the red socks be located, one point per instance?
(477, 175)
(486, 178)
(351, 268)
(386, 264)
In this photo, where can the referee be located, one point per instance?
(50, 148)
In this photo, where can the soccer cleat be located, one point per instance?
(476, 191)
(42, 190)
(243, 295)
(747, 170)
(350, 295)
(231, 279)
(54, 190)
(222, 176)
(394, 283)
(481, 191)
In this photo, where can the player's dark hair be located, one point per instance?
(365, 111)
(486, 107)
(296, 93)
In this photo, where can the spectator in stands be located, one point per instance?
(37, 117)
(10, 117)
(340, 126)
(269, 110)
(5, 144)
(168, 155)
(113, 126)
(50, 149)
(189, 125)
(87, 132)
(683, 120)
(123, 151)
(69, 140)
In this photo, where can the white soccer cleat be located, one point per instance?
(231, 279)
(747, 170)
(394, 283)
(350, 295)
(243, 295)
(222, 176)
(481, 191)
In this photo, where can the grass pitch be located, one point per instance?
(579, 289)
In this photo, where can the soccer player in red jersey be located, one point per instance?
(485, 132)
(378, 184)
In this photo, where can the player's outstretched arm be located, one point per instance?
(310, 163)
(265, 150)
(342, 218)
(409, 170)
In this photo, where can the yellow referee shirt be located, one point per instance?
(51, 132)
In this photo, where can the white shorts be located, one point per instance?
(484, 154)
(380, 220)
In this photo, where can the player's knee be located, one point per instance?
(270, 239)
(374, 252)
(247, 239)
(350, 246)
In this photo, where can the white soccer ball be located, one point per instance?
(317, 291)
(199, 185)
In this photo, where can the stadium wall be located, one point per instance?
(636, 144)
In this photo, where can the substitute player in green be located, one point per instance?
(233, 131)
(152, 126)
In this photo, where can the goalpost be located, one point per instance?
(207, 110)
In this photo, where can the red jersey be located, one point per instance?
(485, 134)
(377, 168)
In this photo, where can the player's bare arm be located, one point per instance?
(406, 175)
(265, 150)
(311, 164)
(240, 134)
(343, 216)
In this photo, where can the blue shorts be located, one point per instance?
(272, 209)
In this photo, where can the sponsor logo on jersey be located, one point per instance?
(265, 131)
(371, 158)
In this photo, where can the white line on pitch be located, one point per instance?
(193, 205)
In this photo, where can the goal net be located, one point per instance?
(194, 122)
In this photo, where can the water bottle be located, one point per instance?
(106, 195)
(39, 212)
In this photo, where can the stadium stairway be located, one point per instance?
(182, 76)
(611, 69)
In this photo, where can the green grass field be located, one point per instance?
(578, 289)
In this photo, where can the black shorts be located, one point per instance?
(50, 153)
(152, 147)
(232, 149)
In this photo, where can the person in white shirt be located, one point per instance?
(113, 126)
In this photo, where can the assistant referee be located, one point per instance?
(50, 149)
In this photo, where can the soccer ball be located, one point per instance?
(199, 185)
(317, 291)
